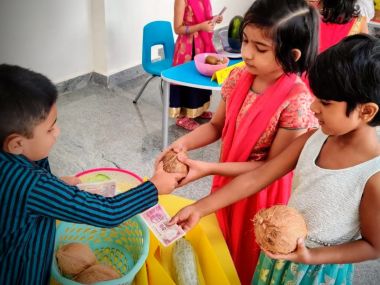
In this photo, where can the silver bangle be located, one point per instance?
(187, 30)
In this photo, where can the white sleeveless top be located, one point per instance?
(329, 199)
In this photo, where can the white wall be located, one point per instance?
(126, 19)
(49, 36)
(65, 39)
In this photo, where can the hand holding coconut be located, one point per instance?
(164, 181)
(171, 164)
(167, 169)
(196, 169)
(280, 232)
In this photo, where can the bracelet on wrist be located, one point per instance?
(187, 30)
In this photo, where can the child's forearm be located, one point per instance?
(253, 181)
(352, 252)
(201, 136)
(233, 169)
(239, 188)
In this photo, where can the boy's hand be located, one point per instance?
(197, 169)
(301, 255)
(187, 218)
(165, 182)
(70, 180)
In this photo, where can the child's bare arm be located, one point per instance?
(206, 133)
(243, 186)
(370, 215)
(201, 136)
(283, 138)
(199, 169)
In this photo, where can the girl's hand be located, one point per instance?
(176, 147)
(70, 180)
(208, 26)
(165, 182)
(301, 255)
(217, 19)
(197, 169)
(187, 218)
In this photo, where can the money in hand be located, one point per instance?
(104, 188)
(156, 219)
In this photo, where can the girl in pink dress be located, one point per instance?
(340, 18)
(194, 25)
(264, 107)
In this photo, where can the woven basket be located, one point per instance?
(125, 247)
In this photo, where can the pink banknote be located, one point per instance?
(156, 219)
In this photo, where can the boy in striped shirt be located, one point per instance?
(31, 198)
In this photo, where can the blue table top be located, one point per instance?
(187, 75)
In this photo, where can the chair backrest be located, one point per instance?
(157, 33)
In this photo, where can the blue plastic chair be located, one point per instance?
(156, 33)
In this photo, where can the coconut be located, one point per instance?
(73, 258)
(278, 228)
(172, 164)
(97, 273)
(213, 60)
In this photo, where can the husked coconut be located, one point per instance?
(172, 164)
(97, 273)
(73, 258)
(278, 228)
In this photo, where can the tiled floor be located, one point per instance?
(103, 128)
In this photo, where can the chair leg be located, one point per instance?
(162, 90)
(143, 88)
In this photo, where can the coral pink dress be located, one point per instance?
(332, 33)
(247, 136)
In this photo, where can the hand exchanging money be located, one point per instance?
(157, 220)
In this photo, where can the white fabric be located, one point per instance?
(367, 8)
(329, 199)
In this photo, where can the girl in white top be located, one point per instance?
(337, 173)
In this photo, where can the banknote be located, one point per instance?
(104, 188)
(156, 219)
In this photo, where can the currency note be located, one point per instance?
(156, 219)
(104, 188)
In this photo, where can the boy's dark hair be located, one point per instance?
(26, 98)
(339, 11)
(292, 24)
(349, 72)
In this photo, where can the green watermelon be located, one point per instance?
(234, 33)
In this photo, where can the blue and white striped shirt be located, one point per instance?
(31, 199)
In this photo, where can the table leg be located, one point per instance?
(165, 115)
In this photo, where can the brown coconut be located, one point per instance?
(172, 164)
(278, 228)
(73, 258)
(213, 60)
(97, 273)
